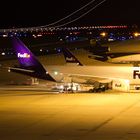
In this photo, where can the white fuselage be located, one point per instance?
(108, 72)
(126, 59)
(123, 78)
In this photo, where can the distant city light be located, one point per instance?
(51, 29)
(59, 50)
(3, 53)
(110, 39)
(103, 34)
(136, 34)
(5, 35)
(39, 35)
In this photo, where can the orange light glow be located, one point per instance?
(136, 34)
(103, 34)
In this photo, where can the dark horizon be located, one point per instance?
(41, 13)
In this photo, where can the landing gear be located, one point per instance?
(34, 81)
(100, 88)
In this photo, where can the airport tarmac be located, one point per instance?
(34, 113)
(42, 115)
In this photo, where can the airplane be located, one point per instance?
(120, 58)
(123, 78)
(102, 53)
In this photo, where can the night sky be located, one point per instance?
(40, 12)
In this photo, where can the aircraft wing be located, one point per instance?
(118, 58)
(88, 79)
(120, 54)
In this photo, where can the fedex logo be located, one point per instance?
(24, 55)
(136, 74)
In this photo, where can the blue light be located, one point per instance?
(59, 50)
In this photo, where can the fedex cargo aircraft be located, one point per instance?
(102, 53)
(123, 78)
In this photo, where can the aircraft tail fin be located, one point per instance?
(70, 58)
(29, 64)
